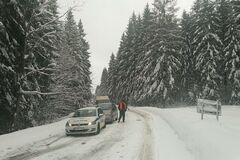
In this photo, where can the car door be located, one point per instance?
(114, 111)
(101, 118)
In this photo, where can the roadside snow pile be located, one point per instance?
(207, 139)
(20, 139)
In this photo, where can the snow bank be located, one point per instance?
(12, 141)
(207, 139)
(166, 143)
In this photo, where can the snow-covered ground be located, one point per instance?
(148, 134)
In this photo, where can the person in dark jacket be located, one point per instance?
(122, 107)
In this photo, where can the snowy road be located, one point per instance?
(132, 140)
(148, 134)
(117, 141)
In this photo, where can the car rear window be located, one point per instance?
(85, 113)
(105, 106)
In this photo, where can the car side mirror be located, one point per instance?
(101, 114)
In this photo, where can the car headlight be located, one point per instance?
(92, 123)
(68, 124)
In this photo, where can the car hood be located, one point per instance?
(81, 120)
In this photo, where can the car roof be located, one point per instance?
(104, 103)
(86, 108)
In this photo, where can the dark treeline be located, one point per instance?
(163, 60)
(44, 64)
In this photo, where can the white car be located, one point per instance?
(86, 120)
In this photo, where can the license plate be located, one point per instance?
(78, 128)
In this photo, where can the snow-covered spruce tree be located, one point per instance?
(103, 88)
(97, 90)
(232, 49)
(48, 43)
(42, 40)
(118, 69)
(72, 75)
(188, 77)
(29, 28)
(161, 61)
(111, 81)
(207, 48)
(223, 12)
(136, 51)
(64, 82)
(85, 63)
(10, 53)
(144, 35)
(125, 53)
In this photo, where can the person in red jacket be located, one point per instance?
(122, 107)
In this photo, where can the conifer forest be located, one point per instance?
(44, 64)
(164, 60)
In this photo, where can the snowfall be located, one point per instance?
(148, 134)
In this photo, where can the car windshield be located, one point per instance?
(85, 113)
(105, 106)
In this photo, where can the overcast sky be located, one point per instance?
(104, 21)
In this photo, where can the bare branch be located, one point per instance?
(43, 26)
(40, 93)
(41, 71)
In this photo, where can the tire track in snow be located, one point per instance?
(28, 154)
(120, 144)
(100, 148)
(107, 143)
(147, 147)
(49, 147)
(145, 151)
